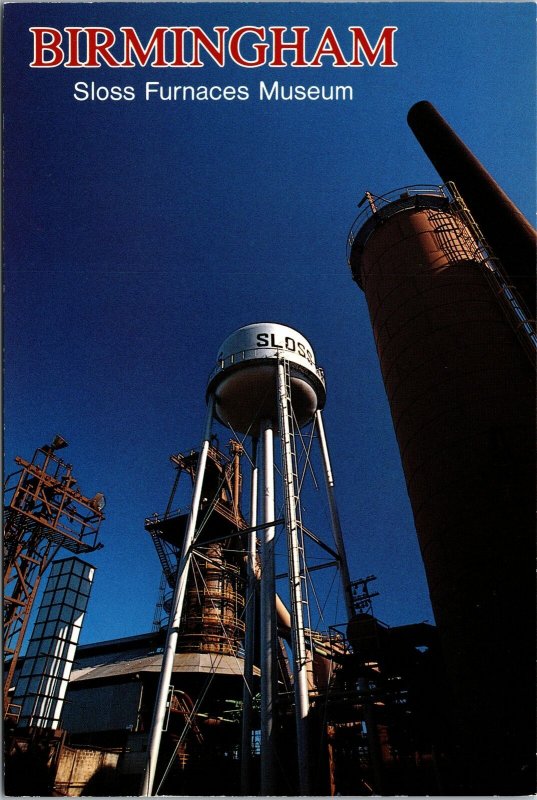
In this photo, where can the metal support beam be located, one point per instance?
(319, 542)
(247, 693)
(297, 575)
(315, 568)
(334, 518)
(268, 617)
(159, 713)
(242, 531)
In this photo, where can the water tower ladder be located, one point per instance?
(294, 508)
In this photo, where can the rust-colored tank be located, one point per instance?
(214, 604)
(507, 230)
(461, 389)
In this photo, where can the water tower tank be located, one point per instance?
(244, 381)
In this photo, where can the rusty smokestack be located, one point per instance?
(506, 229)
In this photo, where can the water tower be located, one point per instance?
(265, 386)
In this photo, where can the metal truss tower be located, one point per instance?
(44, 512)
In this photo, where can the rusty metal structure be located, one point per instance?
(453, 340)
(213, 614)
(374, 693)
(209, 651)
(44, 512)
(382, 723)
(376, 718)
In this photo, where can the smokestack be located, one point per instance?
(508, 232)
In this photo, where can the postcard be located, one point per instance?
(268, 407)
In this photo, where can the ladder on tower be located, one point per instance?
(510, 301)
(297, 568)
(169, 570)
(293, 513)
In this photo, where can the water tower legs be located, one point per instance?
(297, 576)
(334, 518)
(265, 382)
(268, 614)
(246, 742)
(159, 712)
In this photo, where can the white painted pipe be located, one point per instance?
(159, 712)
(296, 578)
(268, 639)
(249, 638)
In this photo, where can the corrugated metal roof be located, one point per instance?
(183, 662)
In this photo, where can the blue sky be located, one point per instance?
(138, 235)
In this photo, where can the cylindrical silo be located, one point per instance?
(460, 389)
(507, 230)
